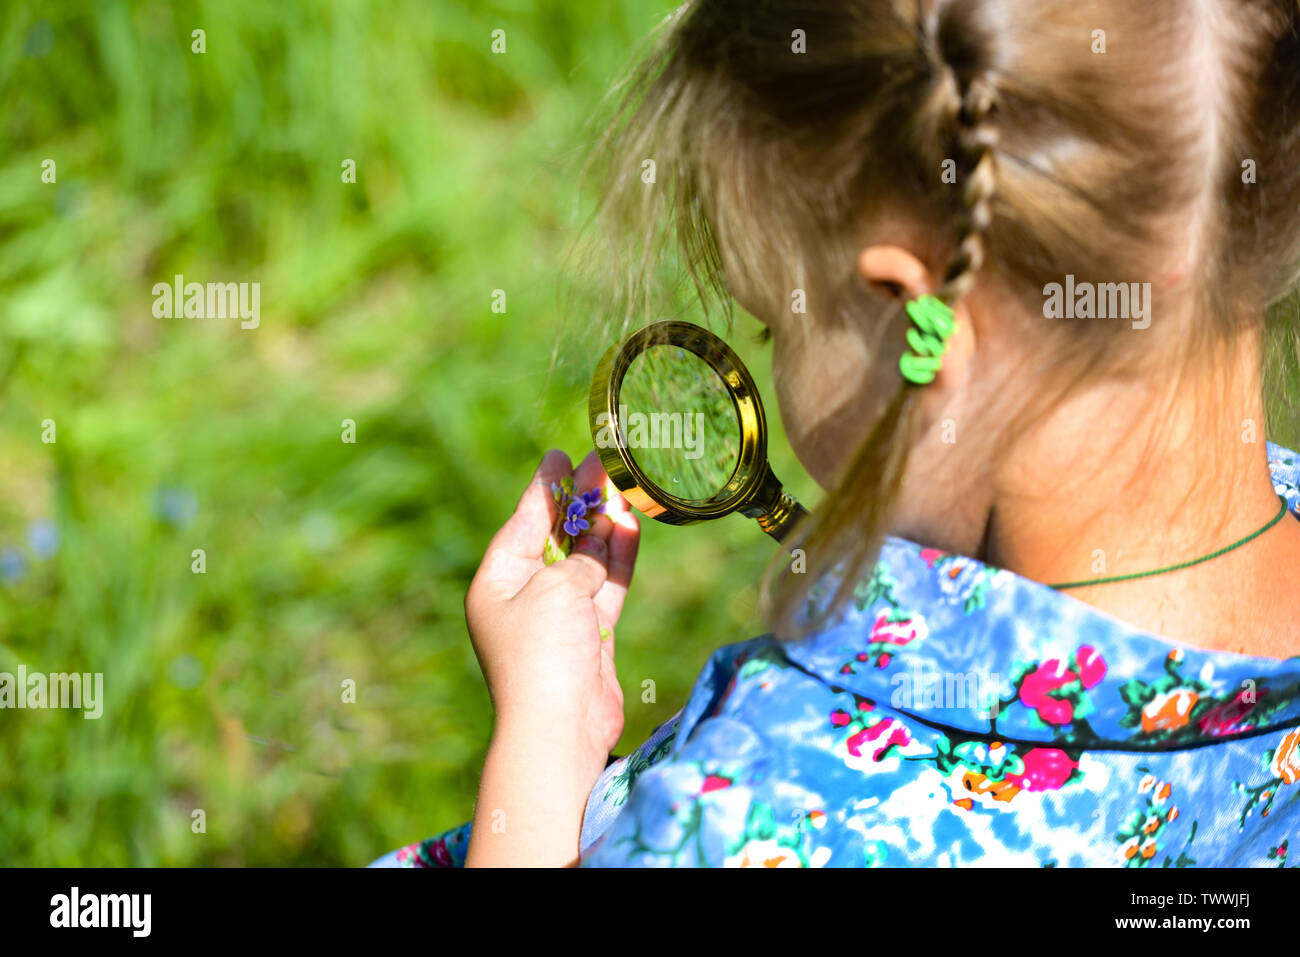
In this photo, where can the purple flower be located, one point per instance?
(575, 507)
(574, 523)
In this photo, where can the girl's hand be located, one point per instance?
(536, 629)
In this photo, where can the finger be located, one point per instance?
(624, 541)
(600, 533)
(615, 502)
(524, 533)
(583, 571)
(589, 474)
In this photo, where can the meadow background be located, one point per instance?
(324, 561)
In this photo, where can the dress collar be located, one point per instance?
(957, 643)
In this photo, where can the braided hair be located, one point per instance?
(966, 105)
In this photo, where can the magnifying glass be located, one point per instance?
(679, 428)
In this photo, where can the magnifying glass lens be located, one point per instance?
(682, 425)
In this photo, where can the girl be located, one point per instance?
(1050, 614)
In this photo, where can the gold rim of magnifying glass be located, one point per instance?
(751, 473)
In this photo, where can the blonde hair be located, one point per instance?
(769, 160)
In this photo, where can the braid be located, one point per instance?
(872, 482)
(977, 140)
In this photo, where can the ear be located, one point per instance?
(899, 274)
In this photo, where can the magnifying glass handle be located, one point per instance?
(784, 516)
(775, 509)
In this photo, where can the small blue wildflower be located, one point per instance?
(12, 565)
(42, 538)
(175, 506)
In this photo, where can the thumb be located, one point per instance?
(586, 566)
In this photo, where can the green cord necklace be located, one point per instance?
(1181, 565)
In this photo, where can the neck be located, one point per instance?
(1157, 478)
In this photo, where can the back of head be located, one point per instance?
(1021, 141)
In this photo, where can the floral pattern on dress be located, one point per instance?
(445, 850)
(1281, 766)
(1140, 837)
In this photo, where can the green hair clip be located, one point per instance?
(932, 324)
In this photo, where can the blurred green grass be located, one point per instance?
(325, 561)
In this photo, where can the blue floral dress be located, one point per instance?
(958, 714)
